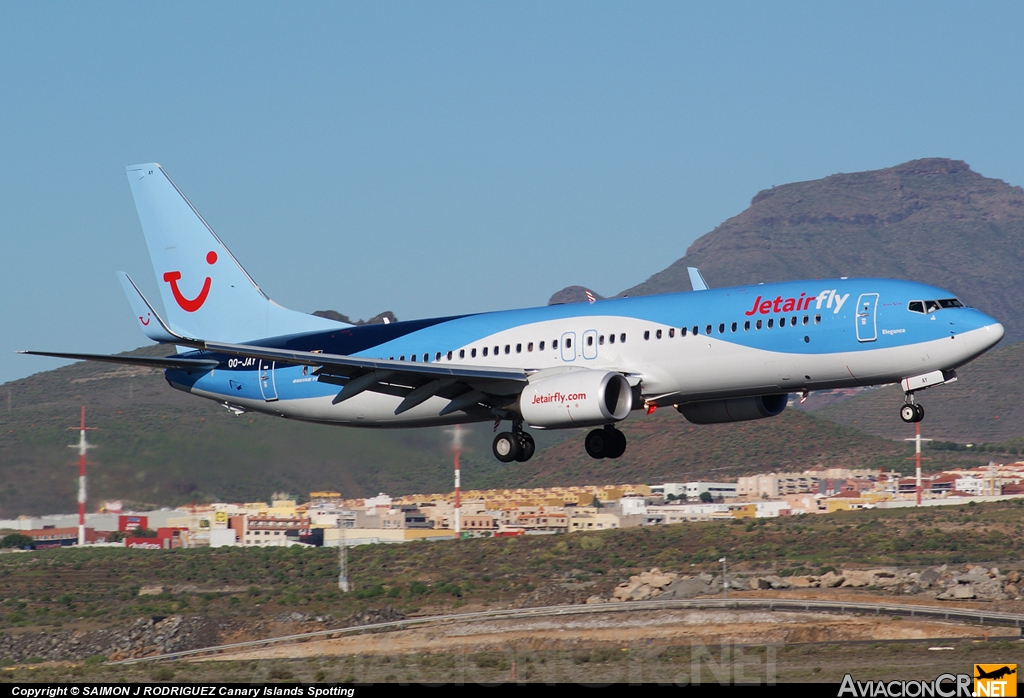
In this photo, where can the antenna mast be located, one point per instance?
(82, 447)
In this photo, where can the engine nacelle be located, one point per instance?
(737, 409)
(581, 398)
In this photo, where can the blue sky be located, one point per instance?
(436, 158)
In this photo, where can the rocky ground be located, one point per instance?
(962, 584)
(942, 583)
(150, 636)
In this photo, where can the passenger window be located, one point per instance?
(426, 357)
(508, 349)
(732, 328)
(915, 307)
(647, 334)
(721, 328)
(437, 356)
(600, 340)
(771, 322)
(792, 321)
(412, 357)
(682, 332)
(472, 353)
(657, 335)
(707, 329)
(758, 324)
(817, 319)
(671, 332)
(622, 338)
(782, 322)
(449, 356)
(519, 348)
(554, 343)
(806, 319)
(696, 331)
(541, 346)
(485, 351)
(402, 357)
(746, 325)
(496, 352)
(590, 340)
(611, 339)
(568, 343)
(529, 346)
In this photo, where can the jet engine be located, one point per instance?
(737, 409)
(576, 399)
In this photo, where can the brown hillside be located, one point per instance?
(933, 220)
(984, 405)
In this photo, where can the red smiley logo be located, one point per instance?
(145, 323)
(190, 305)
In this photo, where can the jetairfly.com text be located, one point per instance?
(230, 691)
(558, 397)
(829, 298)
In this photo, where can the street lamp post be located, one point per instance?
(725, 580)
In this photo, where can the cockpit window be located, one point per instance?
(928, 307)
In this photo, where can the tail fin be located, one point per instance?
(206, 292)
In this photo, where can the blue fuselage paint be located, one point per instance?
(751, 340)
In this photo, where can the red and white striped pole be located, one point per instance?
(82, 447)
(457, 449)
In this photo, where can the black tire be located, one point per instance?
(908, 413)
(616, 444)
(596, 443)
(918, 413)
(527, 447)
(505, 447)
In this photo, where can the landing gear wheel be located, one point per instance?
(616, 443)
(526, 447)
(506, 447)
(912, 413)
(596, 443)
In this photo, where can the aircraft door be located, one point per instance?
(267, 385)
(569, 346)
(589, 348)
(867, 305)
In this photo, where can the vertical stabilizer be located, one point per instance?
(206, 292)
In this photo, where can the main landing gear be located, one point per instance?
(515, 445)
(608, 442)
(911, 412)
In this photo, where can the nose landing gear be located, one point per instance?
(911, 412)
(608, 442)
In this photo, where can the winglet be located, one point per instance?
(152, 325)
(697, 281)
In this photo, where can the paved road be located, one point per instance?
(909, 610)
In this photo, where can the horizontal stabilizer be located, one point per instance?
(153, 326)
(149, 361)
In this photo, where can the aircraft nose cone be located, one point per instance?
(984, 338)
(995, 332)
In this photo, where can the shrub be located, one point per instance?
(16, 540)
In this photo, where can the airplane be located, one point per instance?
(714, 354)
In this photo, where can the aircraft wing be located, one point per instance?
(149, 361)
(415, 382)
